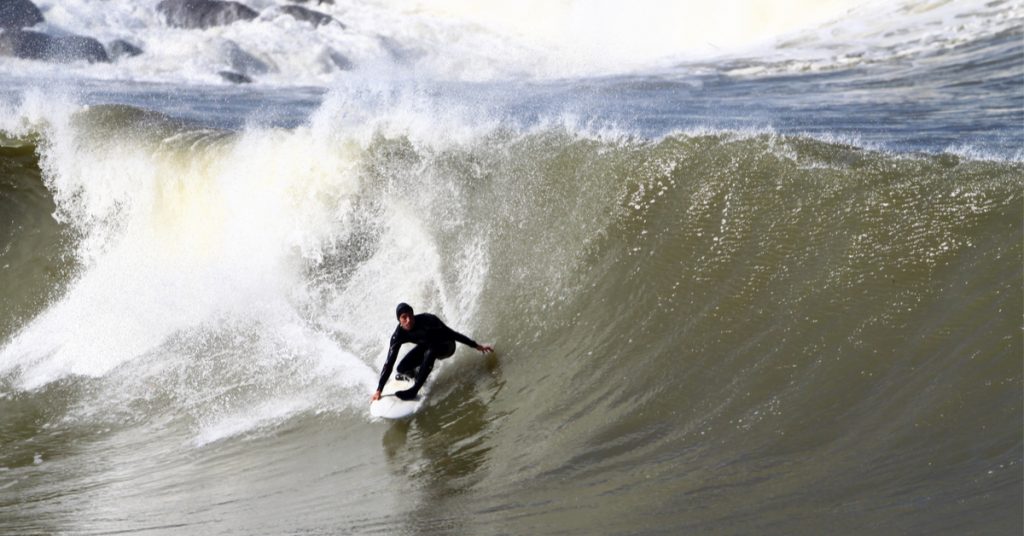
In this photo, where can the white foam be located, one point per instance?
(600, 37)
(459, 40)
(245, 421)
(206, 276)
(359, 109)
(880, 32)
(176, 235)
(970, 152)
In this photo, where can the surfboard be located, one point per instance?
(390, 406)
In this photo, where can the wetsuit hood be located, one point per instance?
(403, 308)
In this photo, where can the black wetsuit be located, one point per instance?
(434, 341)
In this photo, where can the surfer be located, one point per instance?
(434, 340)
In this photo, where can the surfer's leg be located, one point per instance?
(407, 366)
(433, 353)
(443, 350)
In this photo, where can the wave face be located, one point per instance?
(715, 330)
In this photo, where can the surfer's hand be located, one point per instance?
(376, 396)
(485, 348)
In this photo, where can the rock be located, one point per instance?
(238, 59)
(17, 14)
(307, 15)
(26, 45)
(235, 78)
(119, 48)
(79, 47)
(203, 13)
(39, 46)
(398, 52)
(340, 61)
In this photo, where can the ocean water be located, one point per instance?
(749, 268)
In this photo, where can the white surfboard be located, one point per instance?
(390, 406)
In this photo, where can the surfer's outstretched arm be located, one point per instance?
(389, 364)
(455, 335)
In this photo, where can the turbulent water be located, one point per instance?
(770, 289)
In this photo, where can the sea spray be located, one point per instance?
(493, 41)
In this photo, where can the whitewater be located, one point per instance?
(748, 267)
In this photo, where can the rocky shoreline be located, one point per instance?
(18, 38)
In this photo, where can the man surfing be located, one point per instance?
(434, 340)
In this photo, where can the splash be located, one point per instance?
(472, 41)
